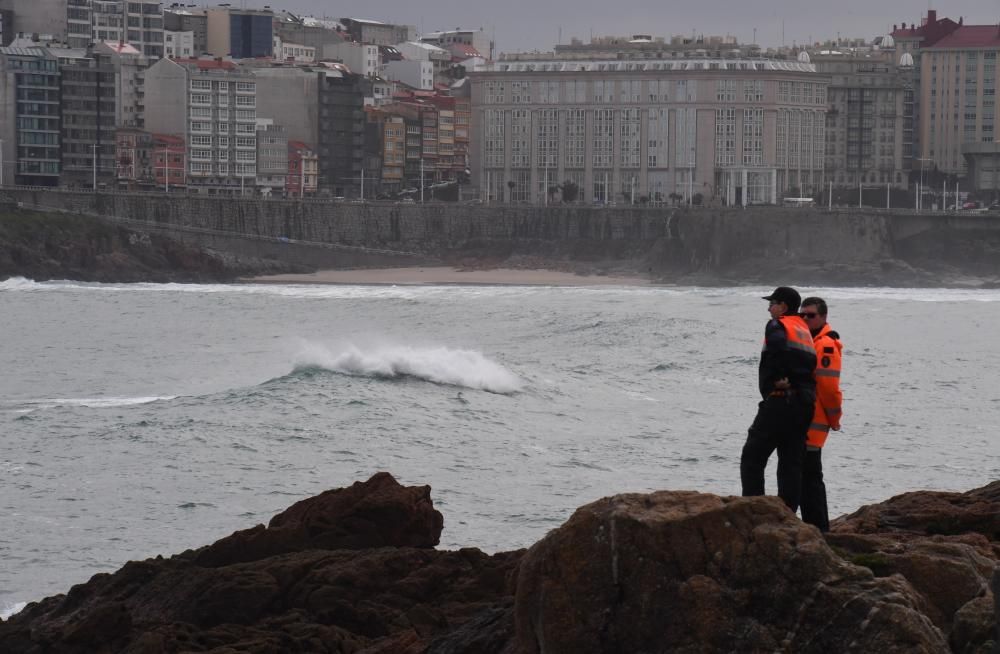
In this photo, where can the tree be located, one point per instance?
(697, 199)
(675, 197)
(570, 191)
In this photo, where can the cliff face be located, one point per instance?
(43, 246)
(700, 245)
(354, 570)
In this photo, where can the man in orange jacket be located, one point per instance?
(788, 392)
(826, 414)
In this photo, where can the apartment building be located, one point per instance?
(134, 159)
(386, 152)
(272, 157)
(411, 72)
(179, 45)
(169, 162)
(34, 17)
(129, 65)
(29, 117)
(361, 58)
(376, 32)
(732, 131)
(88, 100)
(239, 33)
(341, 133)
(311, 32)
(959, 88)
(303, 170)
(212, 105)
(285, 51)
(476, 38)
(177, 18)
(870, 122)
(136, 22)
(290, 96)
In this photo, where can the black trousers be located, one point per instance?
(814, 509)
(781, 425)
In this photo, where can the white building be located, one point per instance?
(212, 103)
(729, 131)
(177, 45)
(300, 54)
(130, 65)
(107, 20)
(361, 58)
(414, 73)
(477, 38)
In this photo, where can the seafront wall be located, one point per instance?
(666, 240)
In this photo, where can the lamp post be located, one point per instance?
(920, 197)
(1, 162)
(690, 182)
(94, 146)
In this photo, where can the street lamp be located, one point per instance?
(920, 196)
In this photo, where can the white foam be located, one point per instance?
(337, 291)
(7, 610)
(902, 294)
(18, 284)
(99, 402)
(441, 365)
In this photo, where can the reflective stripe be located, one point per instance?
(819, 427)
(813, 448)
(833, 412)
(825, 372)
(802, 346)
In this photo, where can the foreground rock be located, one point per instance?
(354, 570)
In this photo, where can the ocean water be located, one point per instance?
(147, 419)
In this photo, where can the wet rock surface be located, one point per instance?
(355, 570)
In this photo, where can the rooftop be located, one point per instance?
(562, 65)
(971, 36)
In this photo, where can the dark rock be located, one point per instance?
(946, 545)
(376, 513)
(687, 572)
(354, 571)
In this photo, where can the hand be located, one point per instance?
(782, 384)
(837, 428)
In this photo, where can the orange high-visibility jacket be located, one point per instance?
(826, 414)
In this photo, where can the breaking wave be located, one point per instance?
(440, 365)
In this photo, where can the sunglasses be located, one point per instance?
(808, 315)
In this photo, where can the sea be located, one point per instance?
(146, 419)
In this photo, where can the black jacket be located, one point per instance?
(779, 361)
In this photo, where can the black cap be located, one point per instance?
(788, 295)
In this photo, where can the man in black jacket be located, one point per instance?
(788, 392)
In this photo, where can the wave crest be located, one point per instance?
(441, 365)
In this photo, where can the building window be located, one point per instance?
(725, 137)
(725, 90)
(602, 143)
(629, 145)
(753, 137)
(574, 139)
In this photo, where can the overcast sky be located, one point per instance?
(536, 24)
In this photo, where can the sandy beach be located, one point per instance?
(447, 275)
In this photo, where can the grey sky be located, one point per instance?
(536, 24)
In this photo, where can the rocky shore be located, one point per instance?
(42, 246)
(356, 570)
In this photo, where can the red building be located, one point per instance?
(169, 161)
(303, 170)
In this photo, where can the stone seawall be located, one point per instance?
(733, 243)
